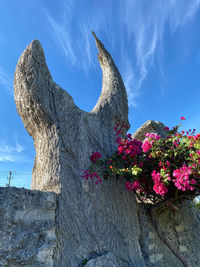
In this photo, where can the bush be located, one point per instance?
(156, 169)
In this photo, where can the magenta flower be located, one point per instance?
(132, 186)
(154, 136)
(146, 145)
(175, 160)
(95, 157)
(182, 175)
(156, 177)
(175, 143)
(160, 188)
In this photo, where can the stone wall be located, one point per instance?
(28, 234)
(27, 227)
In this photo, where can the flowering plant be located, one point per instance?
(160, 170)
(156, 169)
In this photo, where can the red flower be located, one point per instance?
(182, 118)
(95, 157)
(166, 128)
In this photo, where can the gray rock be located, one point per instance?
(62, 132)
(107, 260)
(103, 220)
(27, 228)
(150, 127)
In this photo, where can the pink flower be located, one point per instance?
(95, 157)
(132, 186)
(120, 149)
(156, 176)
(175, 143)
(146, 145)
(166, 128)
(160, 188)
(148, 142)
(129, 136)
(154, 136)
(182, 118)
(193, 181)
(168, 163)
(129, 147)
(182, 175)
(191, 188)
(87, 174)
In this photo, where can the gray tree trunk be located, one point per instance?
(99, 223)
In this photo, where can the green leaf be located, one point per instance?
(136, 170)
(162, 173)
(197, 145)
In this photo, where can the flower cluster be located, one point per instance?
(92, 175)
(183, 179)
(129, 147)
(132, 186)
(95, 157)
(148, 142)
(159, 186)
(120, 127)
(157, 168)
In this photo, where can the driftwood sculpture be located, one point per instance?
(96, 225)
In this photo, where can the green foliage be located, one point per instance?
(85, 261)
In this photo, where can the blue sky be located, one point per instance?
(154, 43)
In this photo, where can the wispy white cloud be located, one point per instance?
(181, 12)
(10, 158)
(62, 34)
(129, 81)
(75, 38)
(5, 80)
(141, 25)
(85, 48)
(11, 153)
(145, 25)
(10, 149)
